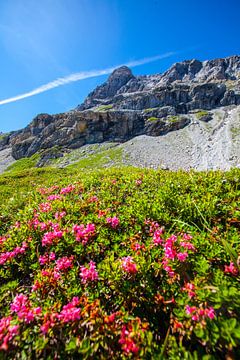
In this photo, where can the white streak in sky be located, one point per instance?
(82, 75)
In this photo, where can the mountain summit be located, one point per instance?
(196, 96)
(123, 89)
(116, 81)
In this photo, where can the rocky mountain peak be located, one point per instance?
(116, 80)
(123, 74)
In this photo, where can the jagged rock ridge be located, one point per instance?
(126, 106)
(184, 84)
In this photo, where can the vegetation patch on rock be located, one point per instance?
(203, 115)
(173, 119)
(104, 108)
(153, 118)
(149, 110)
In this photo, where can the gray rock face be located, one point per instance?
(194, 83)
(185, 71)
(116, 81)
(126, 106)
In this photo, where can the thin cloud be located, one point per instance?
(82, 75)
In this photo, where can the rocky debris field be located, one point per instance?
(201, 145)
(6, 159)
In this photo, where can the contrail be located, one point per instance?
(82, 75)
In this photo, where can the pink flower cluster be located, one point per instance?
(157, 240)
(126, 340)
(82, 233)
(113, 222)
(35, 223)
(54, 197)
(21, 306)
(88, 274)
(198, 314)
(64, 263)
(46, 258)
(231, 269)
(42, 226)
(4, 257)
(171, 253)
(187, 237)
(128, 265)
(69, 313)
(169, 249)
(182, 256)
(67, 189)
(186, 244)
(172, 249)
(7, 332)
(45, 207)
(60, 214)
(49, 237)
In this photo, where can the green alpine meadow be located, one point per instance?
(119, 180)
(119, 263)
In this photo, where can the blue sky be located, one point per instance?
(41, 41)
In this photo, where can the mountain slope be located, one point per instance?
(186, 97)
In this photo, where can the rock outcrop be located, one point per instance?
(126, 106)
(116, 81)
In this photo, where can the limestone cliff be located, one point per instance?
(126, 106)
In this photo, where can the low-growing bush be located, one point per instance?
(121, 264)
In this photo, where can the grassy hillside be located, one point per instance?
(119, 263)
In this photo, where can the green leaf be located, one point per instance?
(71, 345)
